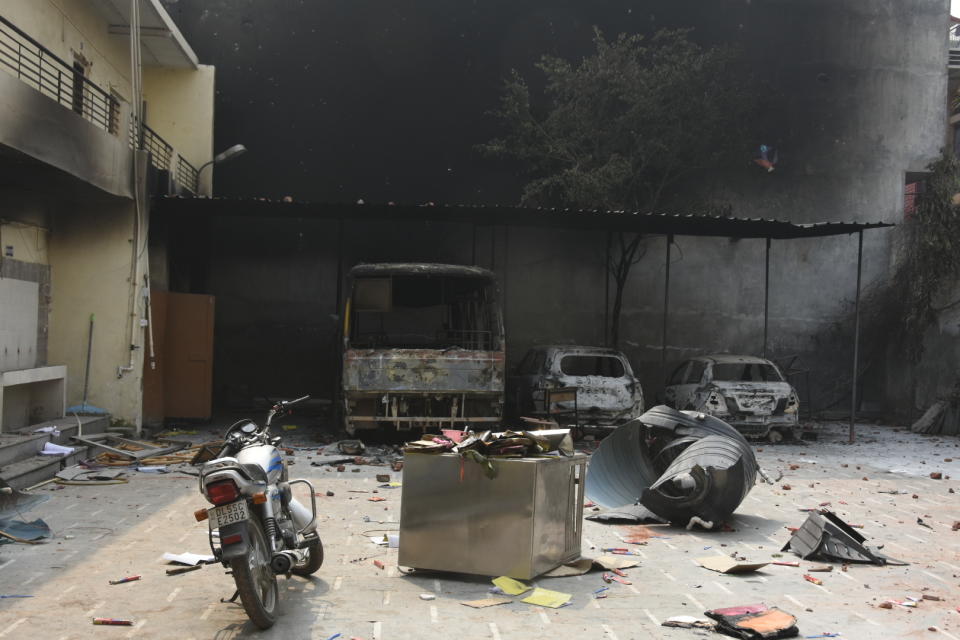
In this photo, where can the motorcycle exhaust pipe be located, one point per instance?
(282, 562)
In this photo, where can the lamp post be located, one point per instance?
(223, 156)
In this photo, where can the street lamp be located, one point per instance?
(223, 156)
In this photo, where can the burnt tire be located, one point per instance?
(312, 563)
(256, 581)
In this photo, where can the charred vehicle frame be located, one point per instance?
(747, 392)
(423, 346)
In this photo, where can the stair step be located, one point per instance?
(30, 471)
(68, 427)
(15, 447)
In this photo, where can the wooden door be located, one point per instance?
(183, 340)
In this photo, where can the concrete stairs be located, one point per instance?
(21, 464)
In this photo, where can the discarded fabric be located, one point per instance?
(51, 449)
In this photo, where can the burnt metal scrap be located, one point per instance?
(13, 501)
(824, 535)
(682, 466)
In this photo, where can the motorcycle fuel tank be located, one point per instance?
(266, 457)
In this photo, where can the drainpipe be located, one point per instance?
(137, 102)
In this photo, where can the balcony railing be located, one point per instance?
(40, 68)
(187, 174)
(49, 74)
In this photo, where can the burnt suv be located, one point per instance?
(747, 392)
(607, 393)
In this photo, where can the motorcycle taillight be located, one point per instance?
(222, 492)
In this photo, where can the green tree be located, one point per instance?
(623, 127)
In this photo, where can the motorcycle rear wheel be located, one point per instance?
(256, 581)
(312, 563)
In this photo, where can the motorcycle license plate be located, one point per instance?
(228, 514)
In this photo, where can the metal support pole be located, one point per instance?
(473, 246)
(766, 299)
(606, 294)
(666, 307)
(856, 341)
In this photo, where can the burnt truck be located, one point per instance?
(423, 347)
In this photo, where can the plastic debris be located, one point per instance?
(810, 578)
(127, 579)
(428, 596)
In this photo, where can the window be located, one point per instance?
(677, 377)
(746, 372)
(603, 366)
(695, 374)
(79, 74)
(424, 312)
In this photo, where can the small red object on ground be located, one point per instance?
(113, 621)
(810, 578)
(378, 564)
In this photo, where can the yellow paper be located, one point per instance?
(547, 598)
(510, 586)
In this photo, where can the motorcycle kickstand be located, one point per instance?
(232, 598)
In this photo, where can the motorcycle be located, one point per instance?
(257, 528)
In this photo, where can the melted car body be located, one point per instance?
(747, 392)
(607, 393)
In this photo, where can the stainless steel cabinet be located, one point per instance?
(522, 523)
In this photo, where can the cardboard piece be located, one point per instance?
(510, 586)
(726, 564)
(547, 598)
(486, 602)
(576, 568)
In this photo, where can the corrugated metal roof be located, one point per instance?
(689, 224)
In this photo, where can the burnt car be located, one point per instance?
(747, 392)
(607, 393)
(423, 348)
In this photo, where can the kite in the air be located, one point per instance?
(768, 157)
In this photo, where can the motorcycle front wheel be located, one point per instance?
(256, 581)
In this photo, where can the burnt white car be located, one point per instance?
(607, 393)
(747, 392)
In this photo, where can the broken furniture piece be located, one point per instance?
(522, 522)
(684, 467)
(825, 536)
(139, 449)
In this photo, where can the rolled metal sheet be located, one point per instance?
(679, 465)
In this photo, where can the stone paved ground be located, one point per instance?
(112, 531)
